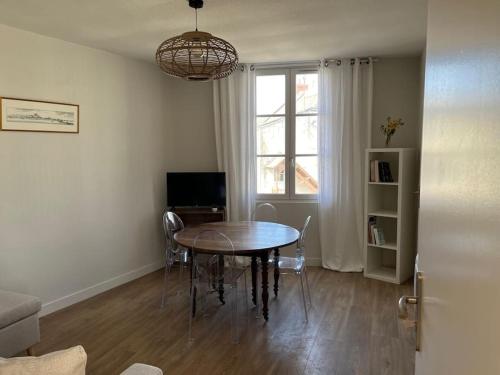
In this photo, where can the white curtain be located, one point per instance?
(234, 106)
(345, 107)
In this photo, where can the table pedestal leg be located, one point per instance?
(194, 301)
(276, 271)
(221, 279)
(264, 258)
(191, 275)
(254, 280)
(192, 289)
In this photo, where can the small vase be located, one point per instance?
(388, 140)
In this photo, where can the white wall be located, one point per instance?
(397, 92)
(80, 210)
(193, 129)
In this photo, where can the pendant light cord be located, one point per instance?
(196, 11)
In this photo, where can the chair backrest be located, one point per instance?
(265, 211)
(207, 265)
(172, 223)
(301, 246)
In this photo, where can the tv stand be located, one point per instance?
(192, 216)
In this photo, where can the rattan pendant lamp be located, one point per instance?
(197, 55)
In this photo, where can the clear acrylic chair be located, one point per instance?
(297, 265)
(212, 271)
(265, 212)
(172, 223)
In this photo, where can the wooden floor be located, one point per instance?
(353, 329)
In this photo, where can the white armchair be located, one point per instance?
(19, 329)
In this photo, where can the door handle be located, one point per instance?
(416, 300)
(403, 305)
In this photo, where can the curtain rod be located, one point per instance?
(309, 63)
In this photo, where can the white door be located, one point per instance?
(459, 224)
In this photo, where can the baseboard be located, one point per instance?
(313, 262)
(70, 299)
(81, 295)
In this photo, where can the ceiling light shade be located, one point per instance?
(197, 55)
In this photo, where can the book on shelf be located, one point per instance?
(386, 172)
(375, 233)
(375, 236)
(380, 236)
(380, 171)
(374, 171)
(371, 223)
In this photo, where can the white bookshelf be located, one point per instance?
(394, 205)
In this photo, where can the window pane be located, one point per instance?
(306, 135)
(271, 95)
(306, 93)
(270, 175)
(270, 135)
(306, 175)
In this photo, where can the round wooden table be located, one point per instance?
(250, 238)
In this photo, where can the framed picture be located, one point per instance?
(38, 116)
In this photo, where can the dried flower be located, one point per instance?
(392, 125)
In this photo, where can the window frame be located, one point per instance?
(290, 132)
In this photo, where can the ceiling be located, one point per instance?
(261, 30)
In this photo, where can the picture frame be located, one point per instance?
(38, 116)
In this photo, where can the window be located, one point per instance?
(287, 133)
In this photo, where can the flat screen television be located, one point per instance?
(196, 189)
